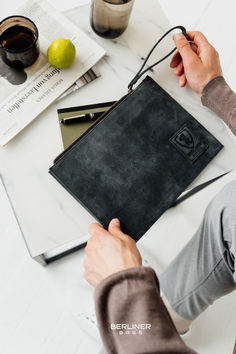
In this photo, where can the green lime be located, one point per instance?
(61, 53)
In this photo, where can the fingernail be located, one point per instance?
(178, 36)
(115, 222)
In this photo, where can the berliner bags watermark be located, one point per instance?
(130, 329)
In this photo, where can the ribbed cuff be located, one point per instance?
(211, 91)
(135, 273)
(218, 96)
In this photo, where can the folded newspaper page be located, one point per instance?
(88, 77)
(25, 94)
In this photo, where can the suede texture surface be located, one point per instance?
(136, 161)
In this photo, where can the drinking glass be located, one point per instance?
(109, 18)
(19, 47)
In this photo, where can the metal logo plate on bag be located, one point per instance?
(188, 144)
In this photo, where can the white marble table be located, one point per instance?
(47, 214)
(33, 314)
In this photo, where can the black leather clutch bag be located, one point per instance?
(136, 160)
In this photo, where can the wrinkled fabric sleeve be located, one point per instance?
(132, 318)
(218, 96)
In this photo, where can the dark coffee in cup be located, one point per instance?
(18, 42)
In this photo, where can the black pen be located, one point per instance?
(81, 118)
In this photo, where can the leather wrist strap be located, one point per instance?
(141, 72)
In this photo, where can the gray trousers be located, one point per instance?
(205, 269)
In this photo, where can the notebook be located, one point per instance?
(136, 160)
(70, 132)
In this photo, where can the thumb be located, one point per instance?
(184, 47)
(114, 228)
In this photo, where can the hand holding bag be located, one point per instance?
(137, 159)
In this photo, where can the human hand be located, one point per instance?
(196, 63)
(109, 252)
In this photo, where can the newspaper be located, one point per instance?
(25, 94)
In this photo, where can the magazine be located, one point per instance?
(25, 94)
(88, 77)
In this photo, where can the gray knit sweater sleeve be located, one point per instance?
(131, 316)
(218, 96)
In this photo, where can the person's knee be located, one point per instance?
(227, 197)
(229, 192)
(223, 206)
